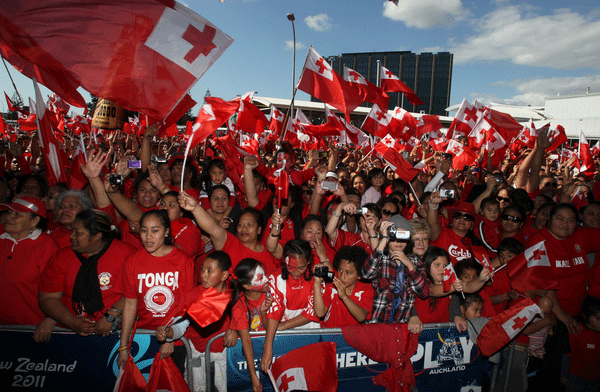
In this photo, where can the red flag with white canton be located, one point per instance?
(504, 327)
(214, 113)
(322, 82)
(377, 122)
(143, 55)
(308, 368)
(250, 118)
(398, 164)
(428, 123)
(367, 90)
(585, 156)
(462, 155)
(557, 137)
(531, 270)
(482, 259)
(55, 160)
(392, 83)
(449, 277)
(466, 117)
(276, 123)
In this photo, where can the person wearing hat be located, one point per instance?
(458, 238)
(397, 278)
(24, 252)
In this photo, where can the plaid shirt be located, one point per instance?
(383, 271)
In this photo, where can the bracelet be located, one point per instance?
(116, 310)
(373, 236)
(123, 348)
(431, 206)
(336, 215)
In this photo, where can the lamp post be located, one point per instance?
(292, 18)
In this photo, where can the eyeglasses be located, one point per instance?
(511, 218)
(467, 217)
(388, 212)
(503, 199)
(552, 184)
(420, 240)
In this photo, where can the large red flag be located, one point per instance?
(55, 159)
(557, 137)
(505, 326)
(377, 122)
(466, 117)
(367, 90)
(398, 164)
(214, 113)
(208, 307)
(12, 107)
(428, 123)
(164, 376)
(392, 83)
(531, 270)
(130, 379)
(276, 123)
(585, 156)
(449, 277)
(322, 82)
(250, 118)
(308, 368)
(143, 55)
(462, 155)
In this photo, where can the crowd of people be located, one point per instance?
(351, 242)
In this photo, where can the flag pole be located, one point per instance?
(11, 80)
(272, 380)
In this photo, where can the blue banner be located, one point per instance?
(446, 360)
(68, 362)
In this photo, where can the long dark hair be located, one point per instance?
(163, 217)
(97, 221)
(432, 253)
(244, 272)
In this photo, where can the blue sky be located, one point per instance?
(504, 51)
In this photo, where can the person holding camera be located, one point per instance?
(369, 216)
(397, 278)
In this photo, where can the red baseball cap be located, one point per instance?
(27, 204)
(464, 206)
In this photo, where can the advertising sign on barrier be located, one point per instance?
(446, 360)
(67, 362)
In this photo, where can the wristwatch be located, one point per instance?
(110, 317)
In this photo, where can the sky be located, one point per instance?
(504, 51)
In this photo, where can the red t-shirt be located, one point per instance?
(458, 247)
(291, 298)
(500, 285)
(487, 231)
(345, 238)
(188, 236)
(158, 283)
(238, 252)
(585, 354)
(441, 313)
(568, 260)
(61, 236)
(287, 231)
(21, 267)
(62, 269)
(246, 314)
(338, 314)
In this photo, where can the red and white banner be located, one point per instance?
(392, 83)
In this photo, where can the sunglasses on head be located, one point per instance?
(511, 218)
(503, 199)
(467, 217)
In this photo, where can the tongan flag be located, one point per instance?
(130, 379)
(531, 270)
(322, 82)
(449, 277)
(164, 376)
(585, 156)
(398, 164)
(308, 368)
(208, 307)
(367, 90)
(143, 55)
(392, 83)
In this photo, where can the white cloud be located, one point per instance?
(320, 22)
(289, 45)
(425, 14)
(563, 39)
(534, 91)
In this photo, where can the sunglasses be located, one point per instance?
(388, 212)
(552, 184)
(467, 217)
(511, 218)
(503, 199)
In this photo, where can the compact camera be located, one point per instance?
(323, 273)
(447, 193)
(396, 234)
(115, 179)
(329, 186)
(362, 211)
(158, 160)
(134, 164)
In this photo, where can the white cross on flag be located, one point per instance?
(377, 122)
(515, 324)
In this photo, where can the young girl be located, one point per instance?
(584, 369)
(249, 308)
(373, 193)
(214, 273)
(156, 279)
(351, 301)
(216, 174)
(291, 290)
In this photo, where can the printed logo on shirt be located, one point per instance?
(359, 294)
(104, 279)
(562, 263)
(459, 254)
(591, 346)
(159, 297)
(577, 247)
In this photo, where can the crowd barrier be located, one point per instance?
(446, 360)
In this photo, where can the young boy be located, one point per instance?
(351, 301)
(488, 225)
(214, 273)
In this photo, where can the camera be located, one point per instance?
(323, 154)
(323, 273)
(447, 155)
(158, 160)
(499, 180)
(115, 179)
(396, 234)
(134, 164)
(362, 211)
(447, 193)
(329, 186)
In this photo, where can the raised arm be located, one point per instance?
(217, 233)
